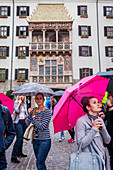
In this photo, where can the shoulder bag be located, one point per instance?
(28, 134)
(85, 161)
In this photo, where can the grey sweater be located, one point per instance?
(87, 134)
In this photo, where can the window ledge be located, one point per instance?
(20, 80)
(22, 36)
(21, 57)
(2, 16)
(3, 36)
(2, 57)
(2, 80)
(84, 16)
(22, 16)
(109, 16)
(110, 37)
(84, 36)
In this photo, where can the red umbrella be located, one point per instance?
(6, 101)
(69, 108)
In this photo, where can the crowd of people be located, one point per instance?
(94, 130)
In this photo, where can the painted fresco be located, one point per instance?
(67, 63)
(33, 63)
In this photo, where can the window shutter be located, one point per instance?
(8, 31)
(27, 51)
(90, 51)
(16, 51)
(80, 73)
(27, 10)
(6, 74)
(18, 9)
(105, 31)
(80, 51)
(7, 51)
(17, 31)
(106, 51)
(78, 10)
(26, 30)
(8, 10)
(79, 29)
(16, 74)
(26, 74)
(89, 30)
(104, 11)
(91, 71)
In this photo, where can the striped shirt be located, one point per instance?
(41, 124)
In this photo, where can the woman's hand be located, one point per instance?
(97, 124)
(30, 110)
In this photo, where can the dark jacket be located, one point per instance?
(6, 138)
(109, 122)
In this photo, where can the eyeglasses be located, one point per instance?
(38, 98)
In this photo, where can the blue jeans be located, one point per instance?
(41, 150)
(20, 128)
(4, 169)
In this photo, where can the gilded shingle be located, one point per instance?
(50, 13)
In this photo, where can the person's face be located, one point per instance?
(21, 98)
(110, 97)
(94, 106)
(39, 100)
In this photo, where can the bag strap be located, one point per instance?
(34, 111)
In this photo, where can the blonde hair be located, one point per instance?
(17, 99)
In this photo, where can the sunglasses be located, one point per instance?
(38, 98)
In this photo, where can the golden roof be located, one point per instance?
(50, 13)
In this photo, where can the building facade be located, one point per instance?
(55, 43)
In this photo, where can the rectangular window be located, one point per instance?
(53, 62)
(3, 31)
(47, 70)
(60, 70)
(109, 31)
(2, 74)
(84, 72)
(2, 51)
(108, 11)
(22, 51)
(4, 11)
(83, 10)
(47, 62)
(23, 31)
(85, 51)
(109, 51)
(84, 30)
(23, 10)
(21, 74)
(109, 69)
(53, 70)
(41, 70)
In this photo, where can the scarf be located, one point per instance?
(92, 117)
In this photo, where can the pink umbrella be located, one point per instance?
(69, 108)
(6, 101)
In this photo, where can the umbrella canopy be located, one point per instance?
(69, 108)
(58, 93)
(31, 89)
(109, 75)
(6, 101)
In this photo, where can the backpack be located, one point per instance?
(5, 116)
